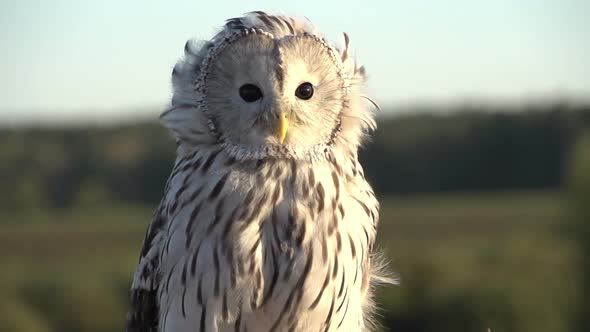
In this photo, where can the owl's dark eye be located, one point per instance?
(304, 91)
(250, 93)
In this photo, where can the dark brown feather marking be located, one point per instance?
(177, 168)
(321, 196)
(230, 161)
(345, 311)
(184, 168)
(293, 172)
(177, 197)
(324, 250)
(228, 223)
(289, 26)
(235, 23)
(328, 320)
(345, 50)
(275, 195)
(280, 76)
(219, 207)
(254, 212)
(249, 198)
(311, 177)
(336, 184)
(363, 205)
(335, 164)
(224, 308)
(265, 19)
(200, 291)
(182, 304)
(188, 49)
(203, 318)
(273, 280)
(352, 246)
(169, 277)
(194, 261)
(194, 214)
(143, 314)
(183, 275)
(343, 299)
(333, 225)
(165, 317)
(216, 266)
(244, 214)
(353, 162)
(277, 22)
(259, 164)
(341, 209)
(297, 291)
(218, 187)
(252, 266)
(209, 161)
(155, 227)
(335, 271)
(342, 283)
(304, 189)
(367, 237)
(292, 217)
(301, 234)
(254, 247)
(275, 230)
(194, 131)
(324, 285)
(189, 226)
(278, 172)
(194, 195)
(147, 269)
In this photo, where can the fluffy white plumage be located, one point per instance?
(259, 229)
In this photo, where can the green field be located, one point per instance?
(468, 262)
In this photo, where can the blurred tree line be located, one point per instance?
(475, 149)
(468, 149)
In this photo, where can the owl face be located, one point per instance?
(268, 86)
(268, 92)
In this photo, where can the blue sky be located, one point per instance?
(107, 59)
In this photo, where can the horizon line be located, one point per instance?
(98, 118)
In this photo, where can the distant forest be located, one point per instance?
(467, 149)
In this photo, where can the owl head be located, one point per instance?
(268, 86)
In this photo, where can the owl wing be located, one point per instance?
(143, 313)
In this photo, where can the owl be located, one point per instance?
(267, 222)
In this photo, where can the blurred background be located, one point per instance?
(481, 160)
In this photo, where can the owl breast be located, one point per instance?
(267, 245)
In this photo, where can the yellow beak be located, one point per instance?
(283, 125)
